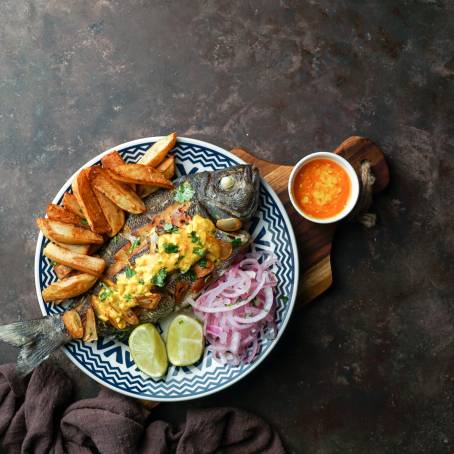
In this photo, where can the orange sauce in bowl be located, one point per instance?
(321, 188)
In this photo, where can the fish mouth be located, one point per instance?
(250, 175)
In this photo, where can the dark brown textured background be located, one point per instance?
(369, 366)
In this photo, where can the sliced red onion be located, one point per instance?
(239, 308)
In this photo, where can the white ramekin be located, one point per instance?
(354, 186)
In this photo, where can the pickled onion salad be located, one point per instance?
(238, 308)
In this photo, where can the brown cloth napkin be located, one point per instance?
(37, 416)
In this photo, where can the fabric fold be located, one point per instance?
(37, 416)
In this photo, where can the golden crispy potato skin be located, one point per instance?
(117, 192)
(69, 287)
(73, 324)
(84, 249)
(61, 214)
(111, 160)
(67, 233)
(84, 263)
(89, 203)
(90, 332)
(167, 167)
(140, 174)
(115, 215)
(62, 271)
(158, 151)
(70, 203)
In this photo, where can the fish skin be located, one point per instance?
(38, 338)
(208, 201)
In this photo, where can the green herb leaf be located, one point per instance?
(141, 282)
(127, 297)
(200, 251)
(105, 292)
(184, 192)
(84, 221)
(236, 242)
(203, 263)
(114, 240)
(134, 244)
(159, 278)
(53, 263)
(180, 322)
(283, 299)
(129, 272)
(194, 237)
(170, 248)
(191, 274)
(170, 228)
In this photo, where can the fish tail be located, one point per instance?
(37, 339)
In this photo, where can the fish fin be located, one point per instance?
(37, 339)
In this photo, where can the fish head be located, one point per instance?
(231, 194)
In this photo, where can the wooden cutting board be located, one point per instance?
(315, 240)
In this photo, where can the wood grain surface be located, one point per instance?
(315, 240)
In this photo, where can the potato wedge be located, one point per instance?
(120, 194)
(167, 167)
(158, 151)
(69, 287)
(84, 263)
(89, 203)
(84, 249)
(90, 332)
(111, 160)
(73, 324)
(61, 214)
(140, 174)
(70, 203)
(67, 233)
(115, 215)
(62, 271)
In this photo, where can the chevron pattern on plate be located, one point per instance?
(109, 361)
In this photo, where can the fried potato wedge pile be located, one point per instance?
(95, 211)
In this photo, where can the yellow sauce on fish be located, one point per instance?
(178, 250)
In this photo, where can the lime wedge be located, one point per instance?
(184, 341)
(148, 350)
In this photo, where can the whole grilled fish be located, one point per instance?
(160, 259)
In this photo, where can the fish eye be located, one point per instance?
(227, 182)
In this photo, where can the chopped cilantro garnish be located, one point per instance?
(170, 248)
(184, 192)
(284, 298)
(141, 282)
(203, 263)
(194, 237)
(170, 228)
(114, 240)
(159, 278)
(199, 251)
(127, 297)
(105, 292)
(53, 263)
(180, 322)
(129, 272)
(191, 274)
(134, 244)
(236, 242)
(84, 221)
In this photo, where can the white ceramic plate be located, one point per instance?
(108, 360)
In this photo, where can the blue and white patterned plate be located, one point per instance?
(109, 362)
